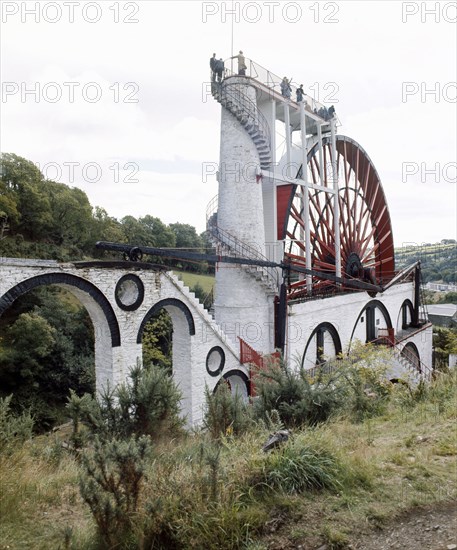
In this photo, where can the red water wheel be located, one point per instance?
(366, 239)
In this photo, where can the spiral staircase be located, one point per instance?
(235, 99)
(229, 245)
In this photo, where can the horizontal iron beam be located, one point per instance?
(136, 252)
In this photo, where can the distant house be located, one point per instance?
(443, 315)
(440, 286)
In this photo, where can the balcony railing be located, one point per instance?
(269, 79)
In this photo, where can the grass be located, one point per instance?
(39, 496)
(191, 279)
(328, 484)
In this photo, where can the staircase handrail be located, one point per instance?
(235, 93)
(238, 247)
(243, 250)
(212, 208)
(404, 352)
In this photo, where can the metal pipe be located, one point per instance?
(288, 137)
(336, 201)
(304, 170)
(321, 159)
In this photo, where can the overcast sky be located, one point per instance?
(120, 109)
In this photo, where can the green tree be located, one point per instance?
(71, 214)
(105, 228)
(444, 343)
(160, 234)
(135, 232)
(23, 180)
(448, 298)
(157, 341)
(47, 347)
(29, 340)
(186, 236)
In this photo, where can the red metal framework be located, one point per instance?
(249, 355)
(366, 238)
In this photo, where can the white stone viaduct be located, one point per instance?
(120, 298)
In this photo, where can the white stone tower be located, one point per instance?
(244, 298)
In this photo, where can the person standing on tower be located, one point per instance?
(219, 69)
(300, 93)
(285, 88)
(212, 64)
(241, 63)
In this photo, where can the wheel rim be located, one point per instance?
(366, 238)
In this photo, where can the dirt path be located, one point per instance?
(432, 528)
(427, 528)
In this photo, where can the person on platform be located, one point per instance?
(241, 63)
(285, 88)
(300, 93)
(212, 64)
(331, 112)
(219, 69)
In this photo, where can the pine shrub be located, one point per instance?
(13, 428)
(148, 405)
(297, 399)
(225, 413)
(111, 485)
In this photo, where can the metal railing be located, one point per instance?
(270, 80)
(238, 248)
(422, 305)
(211, 209)
(236, 100)
(407, 358)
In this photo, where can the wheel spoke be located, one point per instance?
(364, 221)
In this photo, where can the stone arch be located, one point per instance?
(237, 380)
(405, 315)
(166, 304)
(368, 321)
(104, 320)
(324, 341)
(183, 330)
(412, 355)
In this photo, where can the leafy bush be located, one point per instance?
(297, 399)
(364, 382)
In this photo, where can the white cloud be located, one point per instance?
(368, 53)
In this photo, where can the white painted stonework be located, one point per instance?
(346, 314)
(245, 226)
(114, 362)
(242, 307)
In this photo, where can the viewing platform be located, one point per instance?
(268, 86)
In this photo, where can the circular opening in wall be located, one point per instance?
(129, 292)
(215, 361)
